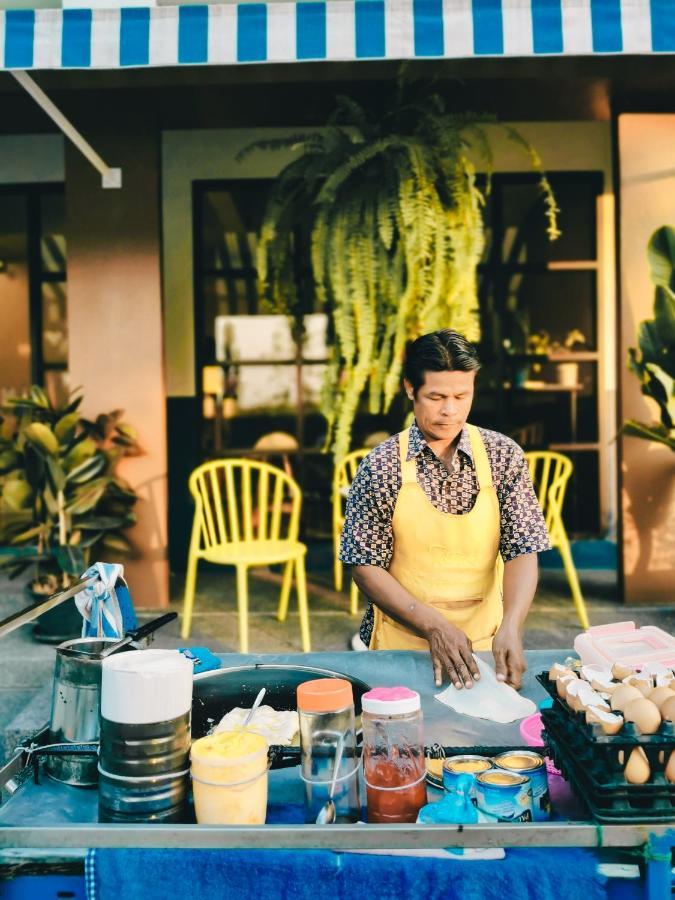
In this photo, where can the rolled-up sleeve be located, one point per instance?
(367, 538)
(523, 529)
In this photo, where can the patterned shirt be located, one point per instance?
(367, 536)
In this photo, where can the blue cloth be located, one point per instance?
(202, 659)
(106, 606)
(525, 874)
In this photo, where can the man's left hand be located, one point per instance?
(507, 649)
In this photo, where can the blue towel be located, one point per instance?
(202, 659)
(106, 606)
(525, 874)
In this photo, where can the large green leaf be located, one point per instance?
(664, 315)
(16, 492)
(42, 437)
(650, 433)
(661, 255)
(88, 470)
(56, 475)
(70, 559)
(66, 426)
(87, 497)
(665, 395)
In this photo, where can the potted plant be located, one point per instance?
(62, 503)
(391, 203)
(653, 361)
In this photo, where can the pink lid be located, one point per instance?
(390, 701)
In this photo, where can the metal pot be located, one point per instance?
(75, 708)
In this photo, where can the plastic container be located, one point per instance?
(229, 778)
(531, 731)
(393, 754)
(327, 725)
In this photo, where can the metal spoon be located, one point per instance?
(256, 704)
(327, 812)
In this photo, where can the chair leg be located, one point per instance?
(353, 599)
(285, 591)
(573, 579)
(189, 596)
(302, 604)
(337, 565)
(242, 607)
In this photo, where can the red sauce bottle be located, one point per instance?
(393, 755)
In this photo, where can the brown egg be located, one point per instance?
(660, 694)
(620, 671)
(562, 682)
(668, 710)
(643, 683)
(557, 670)
(670, 768)
(623, 695)
(609, 722)
(644, 714)
(637, 768)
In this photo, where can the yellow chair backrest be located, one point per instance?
(550, 473)
(343, 475)
(242, 500)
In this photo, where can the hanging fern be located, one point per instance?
(396, 234)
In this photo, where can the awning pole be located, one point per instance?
(111, 178)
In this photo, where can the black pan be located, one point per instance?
(216, 693)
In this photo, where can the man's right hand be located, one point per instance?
(451, 654)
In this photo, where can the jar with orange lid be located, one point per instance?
(328, 731)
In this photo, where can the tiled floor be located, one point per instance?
(26, 666)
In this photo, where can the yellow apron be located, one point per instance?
(450, 562)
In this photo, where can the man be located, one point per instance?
(442, 526)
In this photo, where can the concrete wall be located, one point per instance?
(115, 323)
(647, 168)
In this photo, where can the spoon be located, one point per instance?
(256, 704)
(327, 812)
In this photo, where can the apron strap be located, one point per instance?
(480, 458)
(408, 466)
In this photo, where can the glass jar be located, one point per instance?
(327, 729)
(393, 754)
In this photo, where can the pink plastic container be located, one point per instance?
(530, 729)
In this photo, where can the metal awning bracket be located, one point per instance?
(110, 178)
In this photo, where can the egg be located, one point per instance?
(620, 671)
(562, 683)
(592, 698)
(556, 670)
(643, 683)
(660, 694)
(590, 672)
(668, 710)
(644, 714)
(609, 722)
(670, 768)
(623, 695)
(604, 685)
(637, 768)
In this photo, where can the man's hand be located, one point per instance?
(451, 653)
(507, 649)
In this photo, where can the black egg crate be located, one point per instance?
(594, 771)
(629, 735)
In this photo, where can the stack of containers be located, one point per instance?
(146, 702)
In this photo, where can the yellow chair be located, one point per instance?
(239, 521)
(550, 473)
(343, 475)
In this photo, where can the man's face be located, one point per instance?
(443, 403)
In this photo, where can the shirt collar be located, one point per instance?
(417, 443)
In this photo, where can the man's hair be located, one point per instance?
(439, 351)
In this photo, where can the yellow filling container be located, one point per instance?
(229, 778)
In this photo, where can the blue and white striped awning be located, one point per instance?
(283, 31)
